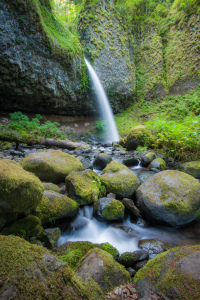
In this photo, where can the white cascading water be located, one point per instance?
(106, 111)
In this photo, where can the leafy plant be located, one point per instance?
(100, 127)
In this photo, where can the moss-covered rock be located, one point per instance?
(103, 269)
(138, 136)
(50, 186)
(84, 187)
(158, 163)
(174, 274)
(28, 271)
(192, 168)
(29, 227)
(51, 166)
(73, 252)
(108, 209)
(55, 206)
(118, 179)
(20, 190)
(169, 197)
(148, 158)
(130, 259)
(53, 235)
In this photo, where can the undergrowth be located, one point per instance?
(174, 122)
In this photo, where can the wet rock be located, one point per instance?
(108, 209)
(129, 204)
(85, 162)
(130, 161)
(127, 229)
(141, 264)
(153, 246)
(102, 161)
(147, 158)
(169, 197)
(79, 223)
(129, 259)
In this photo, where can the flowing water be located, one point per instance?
(112, 134)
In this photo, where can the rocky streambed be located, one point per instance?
(100, 199)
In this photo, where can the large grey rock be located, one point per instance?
(169, 197)
(173, 274)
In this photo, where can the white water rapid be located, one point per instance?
(106, 111)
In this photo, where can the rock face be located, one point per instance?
(119, 180)
(55, 206)
(106, 39)
(99, 266)
(173, 274)
(83, 187)
(51, 166)
(192, 168)
(169, 197)
(29, 270)
(37, 73)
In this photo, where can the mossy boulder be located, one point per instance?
(28, 227)
(73, 252)
(173, 274)
(130, 259)
(192, 168)
(101, 161)
(50, 186)
(103, 269)
(153, 246)
(53, 235)
(83, 187)
(118, 179)
(147, 158)
(51, 166)
(30, 271)
(138, 136)
(108, 209)
(20, 191)
(169, 197)
(55, 206)
(157, 163)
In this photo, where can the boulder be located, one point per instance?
(84, 187)
(51, 166)
(169, 197)
(130, 161)
(55, 206)
(138, 136)
(50, 186)
(173, 274)
(192, 168)
(31, 271)
(153, 246)
(20, 191)
(85, 162)
(158, 164)
(29, 227)
(101, 161)
(103, 269)
(129, 204)
(130, 259)
(108, 209)
(118, 179)
(73, 252)
(53, 235)
(147, 159)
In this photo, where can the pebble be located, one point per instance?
(127, 291)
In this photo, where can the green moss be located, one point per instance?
(20, 191)
(22, 267)
(166, 263)
(83, 186)
(51, 166)
(114, 210)
(192, 168)
(59, 207)
(50, 186)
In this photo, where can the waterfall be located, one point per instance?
(106, 111)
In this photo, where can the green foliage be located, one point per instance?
(100, 127)
(21, 123)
